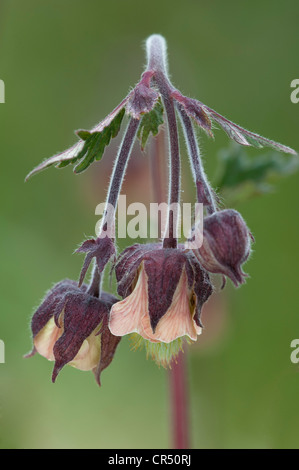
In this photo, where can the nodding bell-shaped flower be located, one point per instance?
(71, 327)
(226, 245)
(163, 290)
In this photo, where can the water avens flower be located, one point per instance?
(226, 244)
(70, 327)
(163, 290)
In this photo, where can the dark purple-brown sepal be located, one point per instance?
(102, 249)
(83, 314)
(51, 306)
(143, 98)
(194, 110)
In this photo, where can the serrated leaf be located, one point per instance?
(96, 142)
(150, 123)
(72, 154)
(241, 176)
(83, 134)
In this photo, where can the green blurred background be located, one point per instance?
(65, 65)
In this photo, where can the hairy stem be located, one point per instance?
(157, 63)
(156, 50)
(157, 172)
(118, 173)
(204, 192)
(94, 286)
(121, 162)
(117, 177)
(170, 241)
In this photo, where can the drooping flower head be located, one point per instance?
(226, 244)
(163, 291)
(71, 327)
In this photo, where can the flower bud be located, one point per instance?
(226, 244)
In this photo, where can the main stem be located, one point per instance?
(156, 50)
(179, 403)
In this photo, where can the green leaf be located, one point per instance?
(91, 145)
(95, 143)
(241, 176)
(150, 123)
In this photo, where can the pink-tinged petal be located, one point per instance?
(44, 341)
(126, 316)
(178, 320)
(127, 266)
(89, 354)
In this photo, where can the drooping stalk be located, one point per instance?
(116, 180)
(94, 285)
(204, 192)
(157, 174)
(120, 167)
(170, 240)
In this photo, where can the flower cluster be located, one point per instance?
(163, 286)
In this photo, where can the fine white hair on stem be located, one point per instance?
(156, 50)
(195, 159)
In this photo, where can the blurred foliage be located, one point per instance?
(241, 177)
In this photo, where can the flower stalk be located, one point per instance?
(205, 194)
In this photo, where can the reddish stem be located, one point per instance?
(179, 403)
(156, 48)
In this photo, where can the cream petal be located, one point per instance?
(131, 314)
(44, 341)
(89, 354)
(178, 320)
(126, 316)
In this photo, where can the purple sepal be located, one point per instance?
(194, 110)
(102, 249)
(142, 101)
(109, 343)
